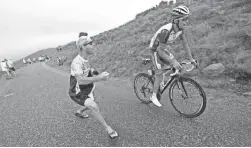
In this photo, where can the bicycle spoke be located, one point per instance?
(143, 87)
(187, 98)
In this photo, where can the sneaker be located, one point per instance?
(155, 101)
(112, 133)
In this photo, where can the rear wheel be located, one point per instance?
(187, 97)
(143, 87)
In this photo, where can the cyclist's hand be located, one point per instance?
(104, 76)
(194, 62)
(158, 66)
(177, 65)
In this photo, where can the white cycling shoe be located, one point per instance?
(155, 101)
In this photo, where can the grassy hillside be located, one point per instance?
(219, 31)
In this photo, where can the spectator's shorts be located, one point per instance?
(81, 97)
(12, 69)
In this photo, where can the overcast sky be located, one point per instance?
(30, 25)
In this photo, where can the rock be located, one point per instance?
(246, 94)
(232, 80)
(214, 69)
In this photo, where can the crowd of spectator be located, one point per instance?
(34, 60)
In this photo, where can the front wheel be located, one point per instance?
(187, 97)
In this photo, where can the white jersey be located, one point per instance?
(171, 38)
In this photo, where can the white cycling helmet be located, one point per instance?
(180, 12)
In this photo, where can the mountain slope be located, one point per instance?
(219, 31)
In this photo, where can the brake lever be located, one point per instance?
(195, 63)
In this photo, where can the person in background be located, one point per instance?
(29, 61)
(24, 61)
(10, 64)
(5, 68)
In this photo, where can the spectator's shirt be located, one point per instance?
(10, 64)
(3, 66)
(80, 66)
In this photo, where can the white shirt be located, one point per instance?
(10, 63)
(80, 66)
(3, 66)
(172, 35)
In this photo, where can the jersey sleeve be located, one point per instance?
(162, 37)
(154, 45)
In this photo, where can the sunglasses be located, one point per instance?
(89, 43)
(184, 19)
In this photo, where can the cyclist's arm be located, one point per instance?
(186, 47)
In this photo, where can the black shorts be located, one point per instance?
(12, 69)
(81, 97)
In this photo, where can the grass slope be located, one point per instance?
(219, 31)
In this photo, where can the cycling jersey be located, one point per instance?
(80, 66)
(164, 36)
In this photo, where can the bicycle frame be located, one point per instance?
(146, 61)
(167, 83)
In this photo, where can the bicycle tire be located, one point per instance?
(201, 92)
(135, 86)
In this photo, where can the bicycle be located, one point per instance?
(176, 80)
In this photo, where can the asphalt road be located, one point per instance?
(40, 113)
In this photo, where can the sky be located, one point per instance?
(27, 26)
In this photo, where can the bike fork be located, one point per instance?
(182, 89)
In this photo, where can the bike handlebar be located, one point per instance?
(177, 71)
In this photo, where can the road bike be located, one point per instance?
(185, 94)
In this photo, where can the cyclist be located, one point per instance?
(164, 36)
(82, 82)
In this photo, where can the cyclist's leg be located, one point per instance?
(158, 79)
(167, 58)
